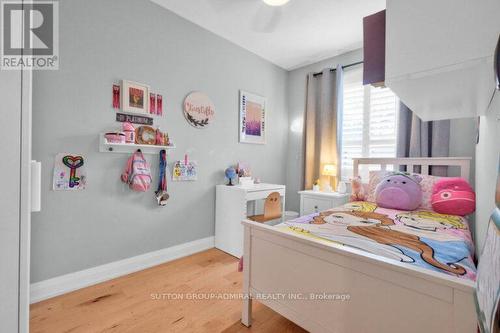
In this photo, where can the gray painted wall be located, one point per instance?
(102, 42)
(462, 140)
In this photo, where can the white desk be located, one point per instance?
(231, 209)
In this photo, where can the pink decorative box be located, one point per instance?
(129, 131)
(115, 137)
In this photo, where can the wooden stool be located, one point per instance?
(272, 209)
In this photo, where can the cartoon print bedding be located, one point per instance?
(427, 239)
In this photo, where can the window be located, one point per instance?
(368, 123)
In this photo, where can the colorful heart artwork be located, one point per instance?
(69, 172)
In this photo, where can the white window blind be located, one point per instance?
(369, 121)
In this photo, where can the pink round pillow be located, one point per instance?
(453, 196)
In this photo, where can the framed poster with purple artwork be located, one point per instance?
(253, 125)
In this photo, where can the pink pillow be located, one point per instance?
(453, 195)
(426, 185)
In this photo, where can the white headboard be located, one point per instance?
(410, 162)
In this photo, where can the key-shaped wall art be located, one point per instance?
(69, 172)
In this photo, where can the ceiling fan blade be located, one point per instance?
(267, 18)
(220, 5)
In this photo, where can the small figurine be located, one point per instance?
(159, 137)
(166, 139)
(243, 170)
(316, 185)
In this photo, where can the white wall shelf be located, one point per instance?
(127, 148)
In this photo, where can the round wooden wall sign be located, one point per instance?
(199, 110)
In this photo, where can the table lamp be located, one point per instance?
(329, 170)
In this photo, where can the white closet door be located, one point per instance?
(15, 216)
(10, 217)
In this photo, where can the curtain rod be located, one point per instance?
(343, 67)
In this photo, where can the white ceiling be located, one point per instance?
(294, 35)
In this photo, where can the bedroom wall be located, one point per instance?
(462, 136)
(487, 155)
(102, 42)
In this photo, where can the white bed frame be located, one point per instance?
(281, 270)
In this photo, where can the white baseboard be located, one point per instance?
(42, 290)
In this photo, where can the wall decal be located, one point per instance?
(135, 97)
(199, 110)
(152, 103)
(116, 96)
(252, 118)
(129, 118)
(159, 105)
(69, 172)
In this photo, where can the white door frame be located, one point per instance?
(25, 209)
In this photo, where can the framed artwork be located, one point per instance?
(69, 172)
(252, 118)
(135, 97)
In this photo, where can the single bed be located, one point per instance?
(302, 270)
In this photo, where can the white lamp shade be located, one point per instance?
(329, 170)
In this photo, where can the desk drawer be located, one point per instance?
(315, 205)
(261, 195)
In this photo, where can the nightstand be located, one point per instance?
(316, 201)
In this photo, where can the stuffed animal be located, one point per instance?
(453, 195)
(399, 191)
(358, 191)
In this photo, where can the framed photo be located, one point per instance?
(252, 118)
(135, 97)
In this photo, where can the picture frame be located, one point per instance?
(135, 97)
(252, 121)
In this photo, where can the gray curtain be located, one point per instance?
(322, 124)
(417, 138)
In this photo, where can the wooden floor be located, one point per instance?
(131, 304)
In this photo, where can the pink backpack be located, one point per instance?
(137, 173)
